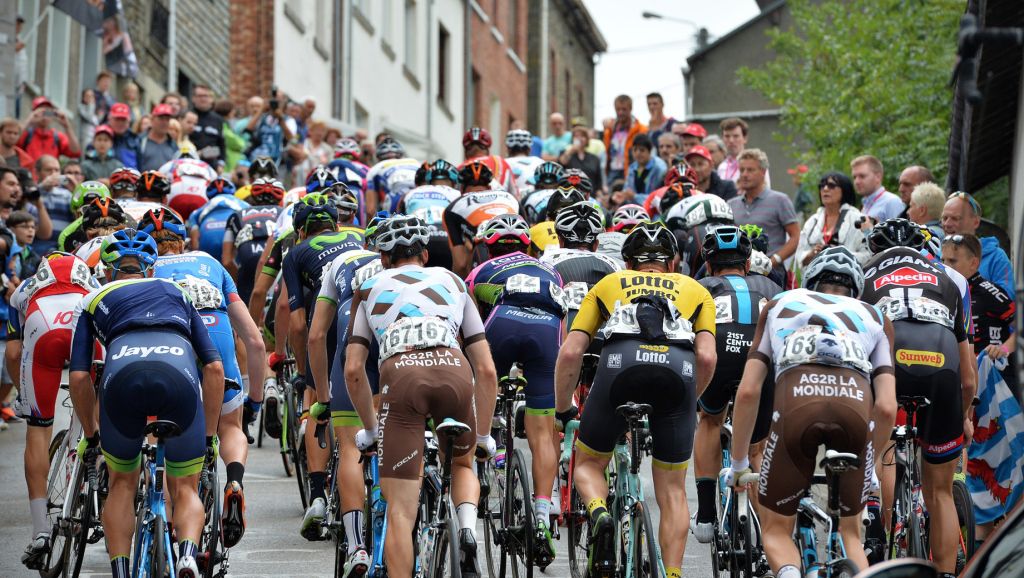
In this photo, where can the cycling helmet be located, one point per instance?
(389, 148)
(579, 223)
(313, 207)
(710, 209)
(932, 244)
(576, 178)
(475, 173)
(343, 198)
(628, 216)
(443, 170)
(650, 241)
(128, 243)
(86, 192)
(124, 179)
(263, 167)
(104, 212)
(726, 245)
(420, 178)
(477, 135)
(895, 233)
(187, 151)
(347, 148)
(758, 240)
(373, 228)
(681, 171)
(835, 265)
(320, 178)
(518, 139)
(561, 198)
(403, 231)
(547, 174)
(505, 230)
(163, 219)
(219, 186)
(266, 192)
(153, 185)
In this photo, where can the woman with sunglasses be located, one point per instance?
(835, 222)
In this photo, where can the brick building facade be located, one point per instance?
(496, 89)
(252, 64)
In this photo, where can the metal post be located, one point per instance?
(545, 74)
(172, 46)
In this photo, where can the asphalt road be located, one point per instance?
(272, 545)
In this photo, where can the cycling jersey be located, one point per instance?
(211, 220)
(428, 203)
(522, 170)
(189, 178)
(535, 205)
(543, 237)
(284, 241)
(465, 214)
(305, 264)
(609, 244)
(580, 270)
(389, 181)
(40, 315)
(993, 313)
(138, 209)
(248, 230)
(503, 175)
(516, 280)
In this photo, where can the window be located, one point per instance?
(410, 35)
(443, 64)
(513, 25)
(476, 102)
(321, 37)
(158, 24)
(568, 94)
(292, 11)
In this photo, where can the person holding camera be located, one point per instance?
(101, 161)
(208, 132)
(835, 221)
(267, 130)
(39, 139)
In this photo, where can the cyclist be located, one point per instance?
(759, 261)
(99, 219)
(206, 224)
(463, 217)
(123, 182)
(443, 174)
(247, 231)
(934, 358)
(476, 176)
(427, 203)
(476, 144)
(152, 334)
(38, 346)
(691, 221)
(659, 349)
(542, 185)
(521, 299)
(543, 235)
(189, 179)
(261, 168)
(150, 193)
(739, 296)
(72, 237)
(628, 216)
(320, 242)
(214, 294)
(389, 179)
(426, 375)
(833, 366)
(518, 142)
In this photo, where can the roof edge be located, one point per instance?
(578, 9)
(767, 11)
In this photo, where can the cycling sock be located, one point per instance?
(187, 548)
(245, 385)
(316, 486)
(120, 567)
(542, 508)
(596, 507)
(235, 472)
(354, 530)
(466, 512)
(38, 509)
(673, 572)
(705, 500)
(789, 571)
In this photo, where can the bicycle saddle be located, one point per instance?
(912, 401)
(162, 429)
(838, 462)
(452, 428)
(633, 410)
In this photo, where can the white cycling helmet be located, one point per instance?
(401, 230)
(518, 139)
(835, 265)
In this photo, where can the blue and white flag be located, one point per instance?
(995, 467)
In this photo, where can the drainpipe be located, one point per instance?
(545, 74)
(430, 77)
(172, 48)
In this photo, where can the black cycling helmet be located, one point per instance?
(576, 178)
(546, 175)
(835, 266)
(561, 198)
(475, 173)
(263, 168)
(579, 223)
(650, 242)
(726, 245)
(103, 213)
(152, 185)
(422, 173)
(895, 233)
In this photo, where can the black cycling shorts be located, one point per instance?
(734, 342)
(439, 252)
(928, 363)
(634, 371)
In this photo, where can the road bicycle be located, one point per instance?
(213, 556)
(810, 517)
(332, 525)
(292, 438)
(737, 547)
(574, 511)
(375, 515)
(437, 550)
(908, 527)
(965, 515)
(154, 555)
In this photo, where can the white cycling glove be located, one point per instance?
(487, 442)
(365, 438)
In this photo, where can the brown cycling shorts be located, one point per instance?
(416, 386)
(816, 405)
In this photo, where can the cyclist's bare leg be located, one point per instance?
(849, 527)
(234, 446)
(670, 492)
(403, 500)
(37, 464)
(589, 477)
(465, 484)
(778, 539)
(350, 471)
(119, 512)
(188, 509)
(944, 527)
(539, 432)
(707, 445)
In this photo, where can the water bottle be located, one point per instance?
(499, 459)
(874, 533)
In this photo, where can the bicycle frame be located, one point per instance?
(378, 515)
(155, 508)
(629, 492)
(908, 477)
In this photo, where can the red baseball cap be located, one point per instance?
(163, 110)
(700, 151)
(104, 128)
(697, 130)
(120, 110)
(41, 101)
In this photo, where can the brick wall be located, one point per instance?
(501, 77)
(252, 68)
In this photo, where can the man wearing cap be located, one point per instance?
(39, 139)
(577, 157)
(558, 141)
(100, 161)
(693, 135)
(699, 158)
(126, 143)
(962, 215)
(156, 147)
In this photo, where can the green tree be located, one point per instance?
(864, 77)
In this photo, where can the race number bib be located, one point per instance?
(411, 333)
(573, 294)
(203, 293)
(431, 215)
(365, 272)
(522, 283)
(723, 309)
(919, 308)
(623, 322)
(810, 345)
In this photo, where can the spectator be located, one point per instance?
(708, 180)
(303, 115)
(175, 101)
(646, 172)
(39, 139)
(577, 157)
(558, 141)
(55, 192)
(596, 146)
(315, 151)
(11, 155)
(802, 200)
(88, 120)
(266, 131)
(156, 147)
(101, 95)
(878, 204)
(834, 223)
(126, 142)
(334, 135)
(659, 123)
(618, 139)
(26, 260)
(144, 123)
(208, 132)
(73, 171)
(100, 161)
(186, 126)
(669, 145)
(909, 179)
(926, 204)
(962, 214)
(130, 96)
(734, 135)
(715, 146)
(10, 190)
(770, 210)
(234, 143)
(693, 135)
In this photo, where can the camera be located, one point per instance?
(274, 102)
(32, 193)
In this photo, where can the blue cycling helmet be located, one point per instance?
(128, 243)
(314, 207)
(219, 186)
(162, 219)
(319, 179)
(726, 245)
(547, 174)
(441, 170)
(389, 148)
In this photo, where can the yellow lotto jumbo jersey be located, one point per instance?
(542, 236)
(689, 297)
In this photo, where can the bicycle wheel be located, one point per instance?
(157, 561)
(209, 540)
(445, 558)
(577, 530)
(843, 568)
(646, 562)
(741, 550)
(965, 515)
(61, 469)
(301, 473)
(517, 520)
(490, 513)
(81, 522)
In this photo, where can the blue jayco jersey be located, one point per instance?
(122, 306)
(517, 280)
(428, 203)
(211, 219)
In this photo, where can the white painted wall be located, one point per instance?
(299, 70)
